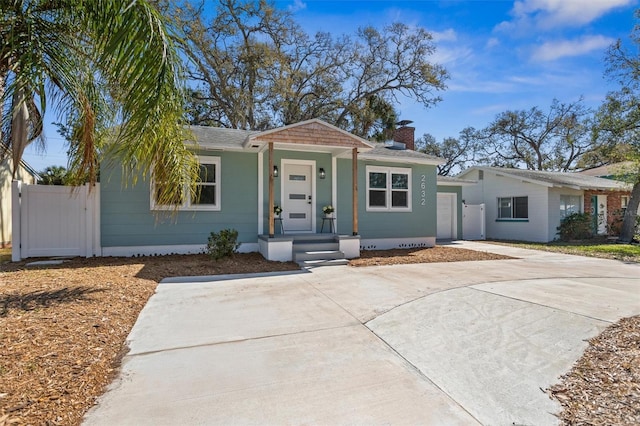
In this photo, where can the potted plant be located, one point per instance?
(328, 210)
(277, 210)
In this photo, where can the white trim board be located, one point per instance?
(260, 193)
(161, 250)
(391, 243)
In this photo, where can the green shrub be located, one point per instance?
(576, 226)
(223, 244)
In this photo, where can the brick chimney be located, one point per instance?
(405, 135)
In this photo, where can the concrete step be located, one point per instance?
(300, 256)
(314, 237)
(317, 245)
(314, 263)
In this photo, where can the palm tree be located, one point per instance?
(53, 175)
(110, 69)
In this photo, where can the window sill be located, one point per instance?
(374, 210)
(512, 220)
(185, 209)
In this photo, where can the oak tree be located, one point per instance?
(254, 67)
(537, 140)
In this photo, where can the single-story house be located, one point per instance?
(25, 173)
(384, 195)
(528, 205)
(614, 202)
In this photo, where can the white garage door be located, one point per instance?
(446, 216)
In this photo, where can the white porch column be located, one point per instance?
(354, 173)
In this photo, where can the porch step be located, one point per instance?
(301, 256)
(332, 262)
(317, 245)
(313, 237)
(317, 250)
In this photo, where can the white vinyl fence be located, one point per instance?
(473, 222)
(51, 220)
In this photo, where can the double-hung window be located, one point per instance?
(569, 204)
(513, 208)
(207, 194)
(388, 188)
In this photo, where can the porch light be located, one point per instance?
(275, 171)
(322, 173)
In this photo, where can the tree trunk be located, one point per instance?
(629, 220)
(2, 80)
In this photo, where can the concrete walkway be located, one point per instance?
(437, 344)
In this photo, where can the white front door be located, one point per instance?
(297, 196)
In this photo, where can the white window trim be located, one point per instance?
(513, 206)
(624, 201)
(388, 189)
(579, 204)
(187, 206)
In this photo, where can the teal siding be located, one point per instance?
(323, 186)
(419, 222)
(455, 190)
(127, 220)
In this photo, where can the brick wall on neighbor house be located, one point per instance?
(614, 208)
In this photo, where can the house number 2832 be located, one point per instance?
(423, 190)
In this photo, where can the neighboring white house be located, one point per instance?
(528, 205)
(26, 174)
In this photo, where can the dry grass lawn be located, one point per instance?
(63, 329)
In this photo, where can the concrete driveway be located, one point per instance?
(437, 344)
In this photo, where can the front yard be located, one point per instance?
(596, 247)
(63, 329)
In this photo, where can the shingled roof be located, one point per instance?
(557, 179)
(382, 152)
(219, 138)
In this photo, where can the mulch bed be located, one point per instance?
(63, 328)
(603, 387)
(421, 255)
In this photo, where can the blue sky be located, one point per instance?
(501, 55)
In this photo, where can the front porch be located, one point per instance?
(301, 162)
(309, 249)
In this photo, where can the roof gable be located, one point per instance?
(311, 132)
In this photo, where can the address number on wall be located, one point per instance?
(423, 190)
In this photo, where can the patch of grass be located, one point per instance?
(593, 248)
(5, 255)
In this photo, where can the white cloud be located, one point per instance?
(528, 80)
(553, 50)
(490, 109)
(492, 42)
(474, 85)
(446, 35)
(297, 5)
(545, 14)
(445, 56)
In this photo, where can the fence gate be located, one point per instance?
(473, 222)
(51, 220)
